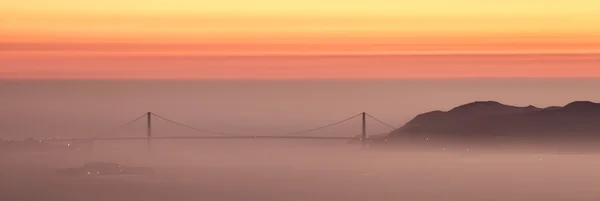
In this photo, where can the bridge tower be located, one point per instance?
(149, 129)
(363, 136)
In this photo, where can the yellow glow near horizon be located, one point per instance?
(466, 25)
(314, 7)
(147, 38)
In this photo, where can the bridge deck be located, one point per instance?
(204, 137)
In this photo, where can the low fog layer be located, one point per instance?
(279, 169)
(258, 170)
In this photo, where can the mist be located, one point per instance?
(81, 108)
(276, 169)
(299, 170)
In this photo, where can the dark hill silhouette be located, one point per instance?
(492, 120)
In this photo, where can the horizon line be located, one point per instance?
(56, 78)
(295, 54)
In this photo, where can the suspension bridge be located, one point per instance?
(210, 134)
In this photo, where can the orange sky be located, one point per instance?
(63, 29)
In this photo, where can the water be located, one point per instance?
(259, 170)
(302, 170)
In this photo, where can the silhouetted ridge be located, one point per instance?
(582, 105)
(491, 118)
(487, 108)
(478, 104)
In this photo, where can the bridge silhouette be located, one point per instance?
(210, 134)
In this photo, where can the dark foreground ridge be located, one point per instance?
(479, 119)
(493, 122)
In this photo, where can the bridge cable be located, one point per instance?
(388, 125)
(322, 127)
(119, 127)
(191, 127)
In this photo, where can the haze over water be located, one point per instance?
(258, 170)
(78, 108)
(300, 170)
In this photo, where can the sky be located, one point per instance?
(83, 38)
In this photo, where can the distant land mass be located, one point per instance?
(492, 121)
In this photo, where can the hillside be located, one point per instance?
(492, 120)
